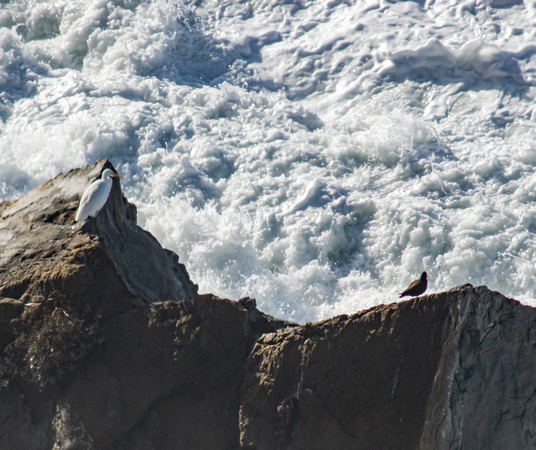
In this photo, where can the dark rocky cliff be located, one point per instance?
(105, 344)
(455, 370)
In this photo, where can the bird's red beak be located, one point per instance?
(116, 175)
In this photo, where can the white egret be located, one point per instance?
(95, 195)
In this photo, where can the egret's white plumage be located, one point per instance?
(95, 196)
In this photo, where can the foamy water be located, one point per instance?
(315, 155)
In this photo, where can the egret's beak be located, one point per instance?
(116, 175)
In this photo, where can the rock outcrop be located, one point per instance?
(105, 344)
(455, 370)
(107, 260)
(167, 369)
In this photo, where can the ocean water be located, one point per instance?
(316, 155)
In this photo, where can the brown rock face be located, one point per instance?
(452, 370)
(107, 260)
(169, 377)
(169, 369)
(105, 344)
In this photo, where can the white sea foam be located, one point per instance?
(315, 155)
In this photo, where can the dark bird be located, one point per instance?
(416, 287)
